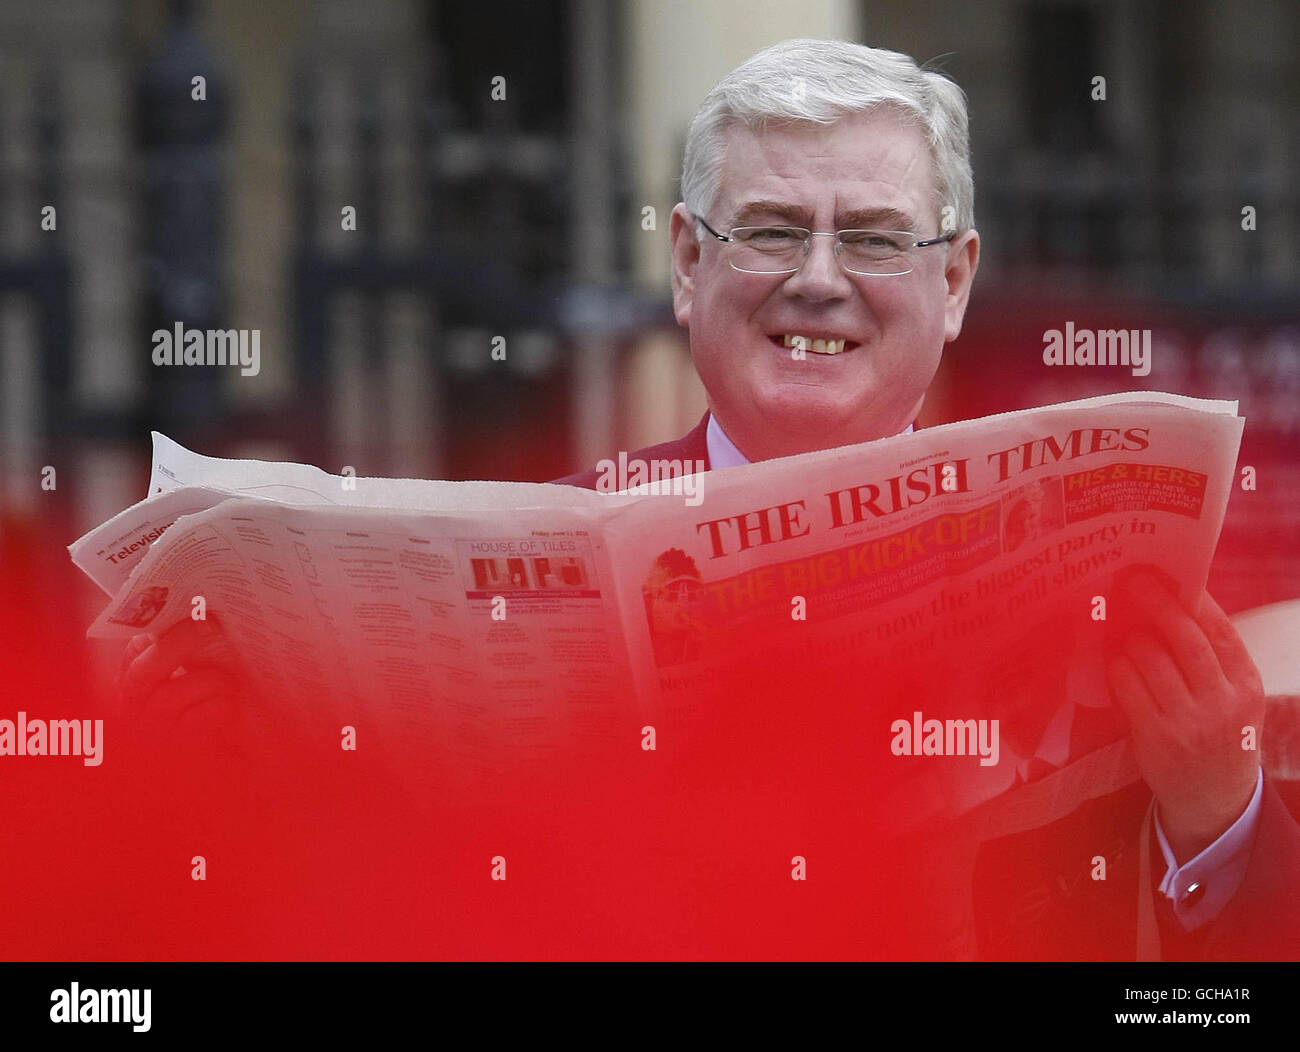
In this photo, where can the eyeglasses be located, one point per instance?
(682, 590)
(783, 249)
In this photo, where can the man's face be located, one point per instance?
(674, 606)
(868, 170)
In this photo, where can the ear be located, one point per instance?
(686, 257)
(959, 273)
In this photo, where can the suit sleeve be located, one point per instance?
(1262, 922)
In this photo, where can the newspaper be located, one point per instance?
(477, 616)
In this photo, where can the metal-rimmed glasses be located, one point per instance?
(783, 249)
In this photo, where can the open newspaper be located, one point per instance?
(482, 616)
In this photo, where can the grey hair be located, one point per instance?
(819, 82)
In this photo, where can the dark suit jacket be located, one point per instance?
(1033, 896)
(1035, 899)
(691, 446)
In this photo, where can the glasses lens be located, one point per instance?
(875, 251)
(768, 249)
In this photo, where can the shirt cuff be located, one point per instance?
(1201, 888)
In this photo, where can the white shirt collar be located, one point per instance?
(723, 452)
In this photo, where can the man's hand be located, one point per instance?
(189, 676)
(1188, 687)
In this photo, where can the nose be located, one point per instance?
(820, 278)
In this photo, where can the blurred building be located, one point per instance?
(512, 165)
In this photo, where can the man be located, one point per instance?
(671, 594)
(808, 141)
(822, 257)
(851, 151)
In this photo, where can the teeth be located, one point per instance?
(807, 343)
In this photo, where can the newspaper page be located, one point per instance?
(969, 565)
(484, 627)
(456, 635)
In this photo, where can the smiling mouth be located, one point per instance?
(814, 344)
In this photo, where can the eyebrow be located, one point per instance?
(878, 218)
(857, 219)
